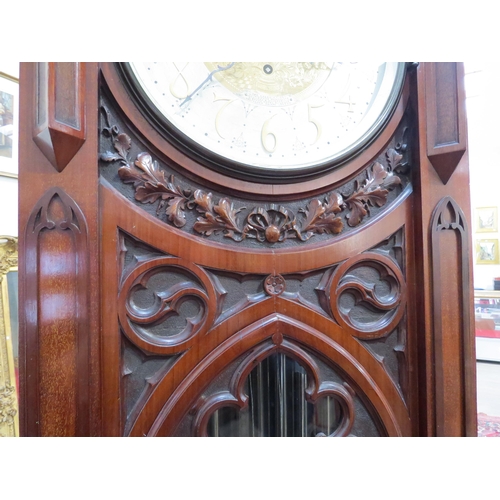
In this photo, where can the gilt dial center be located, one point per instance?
(275, 84)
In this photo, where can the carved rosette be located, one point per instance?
(349, 204)
(274, 284)
(155, 292)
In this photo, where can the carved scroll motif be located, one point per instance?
(391, 349)
(165, 303)
(272, 223)
(366, 295)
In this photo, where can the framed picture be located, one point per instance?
(487, 252)
(9, 371)
(9, 125)
(487, 220)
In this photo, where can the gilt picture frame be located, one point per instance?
(486, 220)
(9, 409)
(487, 251)
(9, 125)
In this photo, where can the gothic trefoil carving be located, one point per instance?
(272, 223)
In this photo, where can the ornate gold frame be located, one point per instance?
(9, 414)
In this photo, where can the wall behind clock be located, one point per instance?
(8, 183)
(482, 81)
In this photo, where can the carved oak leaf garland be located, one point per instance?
(273, 224)
(320, 217)
(373, 192)
(216, 217)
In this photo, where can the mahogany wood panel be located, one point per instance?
(120, 215)
(101, 273)
(452, 337)
(57, 333)
(59, 122)
(59, 253)
(430, 190)
(445, 119)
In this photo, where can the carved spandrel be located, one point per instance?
(394, 247)
(370, 292)
(390, 351)
(133, 251)
(140, 374)
(236, 292)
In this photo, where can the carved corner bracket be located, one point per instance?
(272, 223)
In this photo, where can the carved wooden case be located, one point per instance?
(206, 281)
(159, 297)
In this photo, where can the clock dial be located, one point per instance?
(272, 117)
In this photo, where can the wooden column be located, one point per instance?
(59, 250)
(442, 209)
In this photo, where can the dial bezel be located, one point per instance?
(253, 173)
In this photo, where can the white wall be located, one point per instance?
(482, 82)
(8, 206)
(8, 185)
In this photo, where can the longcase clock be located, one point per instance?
(245, 249)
